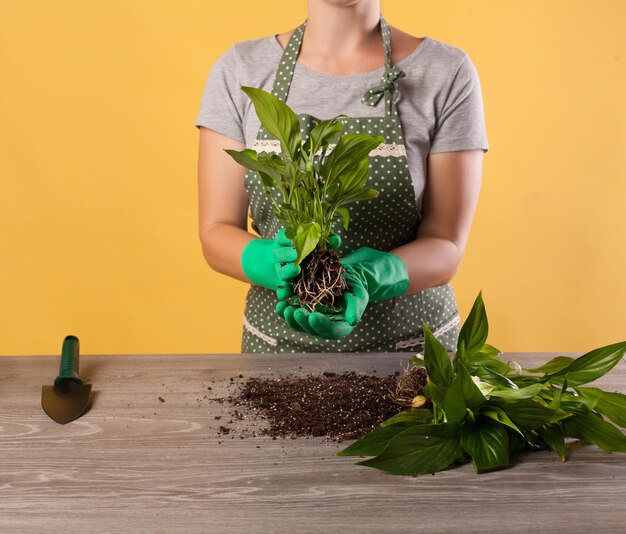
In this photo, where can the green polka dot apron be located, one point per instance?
(384, 223)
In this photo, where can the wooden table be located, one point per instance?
(134, 463)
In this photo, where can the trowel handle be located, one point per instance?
(69, 361)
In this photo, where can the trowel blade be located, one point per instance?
(64, 408)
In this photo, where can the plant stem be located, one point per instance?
(325, 217)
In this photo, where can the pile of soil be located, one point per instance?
(340, 406)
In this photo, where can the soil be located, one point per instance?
(339, 406)
(320, 283)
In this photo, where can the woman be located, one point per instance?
(402, 248)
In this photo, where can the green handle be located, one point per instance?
(69, 361)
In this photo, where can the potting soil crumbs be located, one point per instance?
(338, 406)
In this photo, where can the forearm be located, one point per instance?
(430, 261)
(222, 246)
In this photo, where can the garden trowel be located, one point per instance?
(69, 396)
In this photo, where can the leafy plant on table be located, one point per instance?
(489, 410)
(310, 191)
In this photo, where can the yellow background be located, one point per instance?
(98, 170)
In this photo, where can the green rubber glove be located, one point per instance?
(372, 274)
(384, 274)
(270, 262)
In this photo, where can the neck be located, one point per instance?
(341, 30)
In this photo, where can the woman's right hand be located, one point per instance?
(269, 263)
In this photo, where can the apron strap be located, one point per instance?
(387, 87)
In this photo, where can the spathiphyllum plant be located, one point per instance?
(486, 409)
(310, 187)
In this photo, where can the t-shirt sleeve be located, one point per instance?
(220, 106)
(461, 122)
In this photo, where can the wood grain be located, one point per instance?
(133, 463)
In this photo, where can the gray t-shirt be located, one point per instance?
(440, 108)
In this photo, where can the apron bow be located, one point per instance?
(388, 80)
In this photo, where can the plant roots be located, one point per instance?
(321, 281)
(410, 386)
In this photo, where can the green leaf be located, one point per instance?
(418, 361)
(248, 158)
(324, 132)
(463, 393)
(610, 404)
(594, 429)
(345, 216)
(576, 405)
(471, 392)
(488, 443)
(591, 365)
(375, 441)
(589, 400)
(560, 414)
(589, 396)
(519, 393)
(288, 179)
(480, 360)
(434, 392)
(484, 387)
(332, 191)
(495, 378)
(489, 350)
(460, 356)
(526, 412)
(475, 328)
(366, 194)
(551, 366)
(534, 441)
(350, 149)
(516, 443)
(555, 403)
(523, 381)
(552, 433)
(437, 359)
(306, 239)
(454, 404)
(498, 414)
(278, 119)
(413, 415)
(266, 179)
(420, 449)
(275, 160)
(290, 232)
(353, 179)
